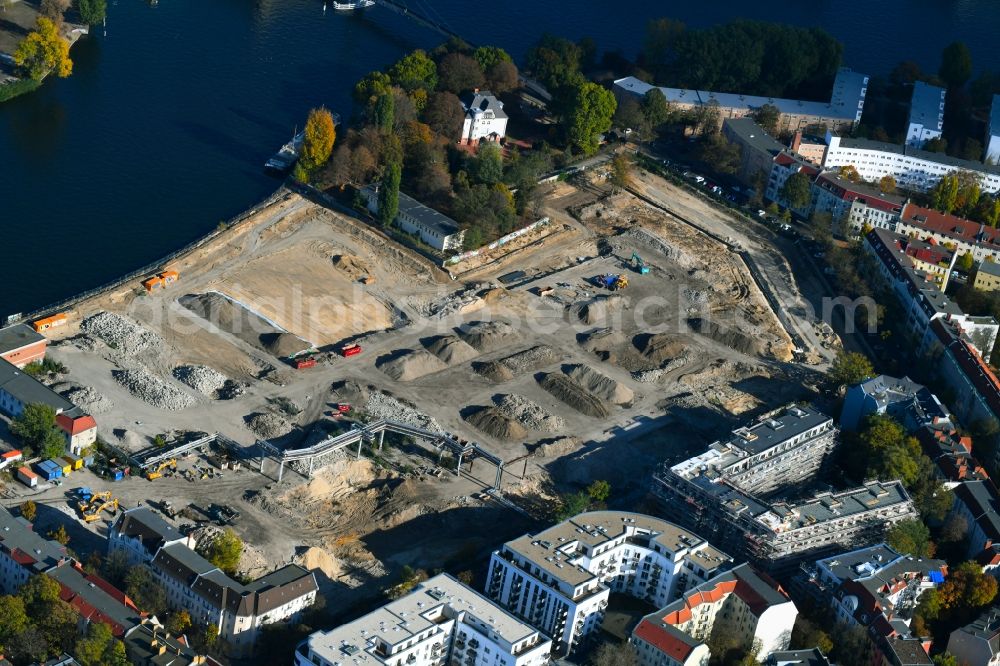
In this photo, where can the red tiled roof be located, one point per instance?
(10, 454)
(844, 191)
(74, 426)
(664, 641)
(950, 225)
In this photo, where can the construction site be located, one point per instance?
(346, 403)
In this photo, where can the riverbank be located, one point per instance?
(18, 20)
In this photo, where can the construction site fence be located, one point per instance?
(151, 267)
(503, 240)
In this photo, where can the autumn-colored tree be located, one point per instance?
(29, 510)
(967, 587)
(415, 70)
(60, 535)
(887, 184)
(43, 51)
(850, 172)
(53, 9)
(621, 173)
(458, 72)
(179, 622)
(444, 114)
(225, 550)
(502, 77)
(599, 491)
(319, 136)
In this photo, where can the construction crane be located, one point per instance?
(639, 265)
(157, 471)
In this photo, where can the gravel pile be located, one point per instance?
(495, 371)
(146, 386)
(382, 406)
(203, 379)
(654, 375)
(600, 384)
(530, 359)
(267, 425)
(120, 333)
(496, 424)
(574, 395)
(695, 296)
(487, 335)
(529, 414)
(411, 364)
(452, 349)
(89, 400)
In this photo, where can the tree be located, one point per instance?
(614, 654)
(767, 116)
(13, 618)
(502, 77)
(621, 173)
(179, 622)
(369, 88)
(911, 537)
(388, 194)
(53, 9)
(655, 107)
(118, 655)
(445, 116)
(413, 71)
(95, 649)
(936, 145)
(724, 156)
(945, 659)
(967, 588)
(956, 65)
(573, 504)
(37, 430)
(488, 56)
(144, 590)
(458, 72)
(850, 368)
(590, 112)
(225, 551)
(488, 164)
(29, 510)
(60, 535)
(554, 61)
(384, 111)
(43, 51)
(466, 577)
(966, 263)
(796, 191)
(944, 194)
(807, 634)
(955, 528)
(887, 184)
(92, 11)
(599, 491)
(210, 637)
(850, 172)
(318, 139)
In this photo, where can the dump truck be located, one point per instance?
(350, 350)
(157, 472)
(303, 363)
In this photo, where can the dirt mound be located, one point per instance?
(730, 337)
(282, 344)
(495, 424)
(267, 424)
(203, 379)
(600, 385)
(351, 391)
(88, 399)
(316, 558)
(531, 359)
(487, 335)
(411, 364)
(351, 264)
(659, 347)
(574, 395)
(560, 446)
(599, 310)
(232, 317)
(451, 349)
(602, 340)
(529, 414)
(495, 371)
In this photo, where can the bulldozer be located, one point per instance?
(157, 471)
(640, 266)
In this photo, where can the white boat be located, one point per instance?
(285, 159)
(358, 4)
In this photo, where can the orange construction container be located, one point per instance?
(152, 283)
(42, 325)
(169, 276)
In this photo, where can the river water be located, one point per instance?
(163, 128)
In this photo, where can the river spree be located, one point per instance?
(164, 126)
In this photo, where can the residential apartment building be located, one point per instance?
(992, 153)
(440, 622)
(24, 553)
(987, 277)
(926, 114)
(951, 453)
(757, 149)
(746, 607)
(813, 657)
(841, 113)
(978, 503)
(913, 168)
(95, 600)
(978, 642)
(975, 389)
(432, 227)
(140, 532)
(854, 206)
(20, 345)
(783, 166)
(149, 644)
(559, 580)
(911, 404)
(485, 119)
(963, 236)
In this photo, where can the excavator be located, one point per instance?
(639, 265)
(90, 510)
(157, 471)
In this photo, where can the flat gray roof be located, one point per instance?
(36, 552)
(29, 390)
(927, 106)
(941, 158)
(754, 135)
(17, 336)
(771, 432)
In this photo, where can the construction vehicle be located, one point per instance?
(93, 512)
(639, 265)
(350, 350)
(157, 471)
(612, 282)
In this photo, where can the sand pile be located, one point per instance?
(559, 446)
(283, 344)
(351, 391)
(410, 365)
(120, 333)
(452, 349)
(574, 395)
(600, 384)
(352, 265)
(599, 310)
(229, 316)
(529, 414)
(267, 425)
(203, 379)
(602, 340)
(487, 335)
(531, 359)
(495, 424)
(146, 386)
(318, 559)
(659, 347)
(495, 371)
(730, 337)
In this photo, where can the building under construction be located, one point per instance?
(729, 494)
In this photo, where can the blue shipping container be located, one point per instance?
(47, 470)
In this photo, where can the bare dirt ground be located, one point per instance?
(560, 377)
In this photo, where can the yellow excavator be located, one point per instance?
(91, 511)
(157, 471)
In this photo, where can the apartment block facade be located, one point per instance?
(559, 580)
